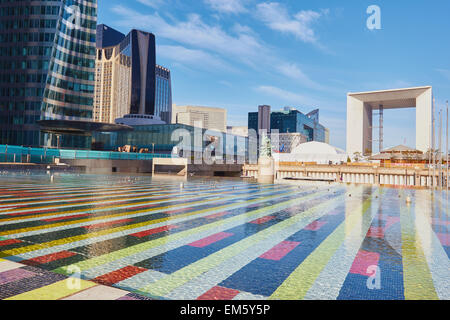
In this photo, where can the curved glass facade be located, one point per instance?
(69, 90)
(47, 60)
(27, 34)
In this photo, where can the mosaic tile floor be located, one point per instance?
(134, 238)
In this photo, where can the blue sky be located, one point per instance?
(238, 54)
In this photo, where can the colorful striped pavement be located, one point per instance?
(72, 236)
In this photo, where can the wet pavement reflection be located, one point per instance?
(220, 239)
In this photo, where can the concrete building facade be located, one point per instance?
(203, 117)
(238, 130)
(361, 107)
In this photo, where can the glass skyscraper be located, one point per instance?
(163, 96)
(128, 80)
(291, 120)
(47, 60)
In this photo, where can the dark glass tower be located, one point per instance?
(27, 33)
(47, 65)
(143, 61)
(150, 85)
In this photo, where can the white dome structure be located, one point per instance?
(315, 147)
(316, 152)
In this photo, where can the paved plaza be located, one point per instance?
(131, 237)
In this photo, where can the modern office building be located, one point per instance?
(47, 61)
(286, 142)
(202, 117)
(238, 130)
(289, 120)
(128, 81)
(163, 139)
(163, 94)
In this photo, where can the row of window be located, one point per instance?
(21, 92)
(77, 34)
(63, 111)
(29, 10)
(15, 119)
(27, 78)
(68, 98)
(24, 65)
(28, 23)
(20, 106)
(76, 47)
(68, 85)
(19, 137)
(25, 51)
(69, 72)
(73, 60)
(27, 37)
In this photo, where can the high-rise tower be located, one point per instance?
(47, 60)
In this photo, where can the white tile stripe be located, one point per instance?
(170, 245)
(211, 278)
(435, 255)
(68, 197)
(111, 219)
(68, 246)
(151, 201)
(329, 282)
(141, 196)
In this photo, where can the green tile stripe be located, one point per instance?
(84, 236)
(301, 280)
(126, 209)
(120, 254)
(418, 282)
(180, 277)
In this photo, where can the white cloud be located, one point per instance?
(227, 6)
(151, 3)
(294, 72)
(194, 32)
(277, 17)
(198, 58)
(197, 40)
(286, 96)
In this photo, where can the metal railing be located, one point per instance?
(18, 154)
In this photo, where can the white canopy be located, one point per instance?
(314, 151)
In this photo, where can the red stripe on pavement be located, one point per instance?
(119, 275)
(8, 242)
(153, 231)
(210, 240)
(262, 220)
(217, 215)
(280, 250)
(219, 293)
(51, 257)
